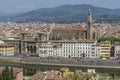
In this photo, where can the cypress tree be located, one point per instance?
(11, 74)
(7, 74)
(3, 74)
(1, 78)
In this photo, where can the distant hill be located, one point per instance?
(6, 16)
(68, 14)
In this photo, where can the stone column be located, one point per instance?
(26, 51)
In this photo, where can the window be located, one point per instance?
(93, 48)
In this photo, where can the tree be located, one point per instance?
(7, 74)
(3, 74)
(111, 39)
(1, 78)
(11, 74)
(76, 76)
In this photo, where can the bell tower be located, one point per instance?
(90, 26)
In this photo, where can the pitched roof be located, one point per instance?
(84, 40)
(46, 76)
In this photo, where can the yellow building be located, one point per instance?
(105, 48)
(6, 49)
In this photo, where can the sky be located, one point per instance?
(15, 6)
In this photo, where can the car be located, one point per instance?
(103, 58)
(33, 54)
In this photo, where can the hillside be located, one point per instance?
(68, 13)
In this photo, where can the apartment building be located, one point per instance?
(105, 49)
(117, 49)
(71, 48)
(95, 52)
(49, 50)
(77, 48)
(6, 49)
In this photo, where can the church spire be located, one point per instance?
(90, 25)
(90, 16)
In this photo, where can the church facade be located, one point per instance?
(75, 33)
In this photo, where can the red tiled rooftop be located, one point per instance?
(86, 40)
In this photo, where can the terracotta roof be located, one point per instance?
(86, 40)
(70, 28)
(98, 44)
(105, 42)
(6, 45)
(17, 70)
(56, 44)
(46, 76)
(117, 43)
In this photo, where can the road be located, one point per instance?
(108, 63)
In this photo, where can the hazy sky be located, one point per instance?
(12, 6)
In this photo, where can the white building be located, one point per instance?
(71, 48)
(49, 50)
(117, 49)
(95, 52)
(78, 48)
